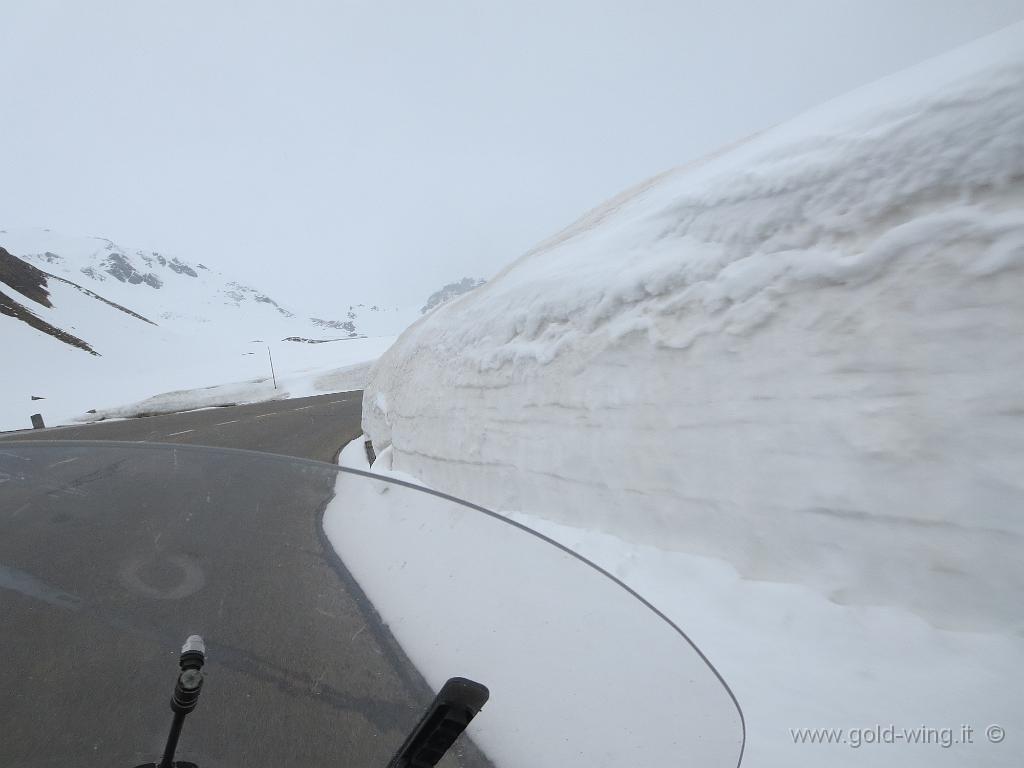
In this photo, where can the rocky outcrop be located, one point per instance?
(450, 291)
(27, 280)
(117, 266)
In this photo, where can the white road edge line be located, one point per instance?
(183, 432)
(222, 423)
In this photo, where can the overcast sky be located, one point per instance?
(374, 150)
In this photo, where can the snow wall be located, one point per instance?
(803, 355)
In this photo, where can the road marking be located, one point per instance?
(305, 407)
(264, 415)
(183, 432)
(221, 424)
(65, 461)
(335, 402)
(25, 506)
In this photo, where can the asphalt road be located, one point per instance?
(307, 427)
(110, 555)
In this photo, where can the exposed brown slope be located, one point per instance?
(27, 280)
(31, 282)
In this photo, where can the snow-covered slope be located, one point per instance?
(799, 360)
(90, 324)
(184, 295)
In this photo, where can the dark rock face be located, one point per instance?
(267, 300)
(180, 267)
(27, 280)
(239, 293)
(117, 266)
(175, 265)
(341, 325)
(450, 291)
(304, 340)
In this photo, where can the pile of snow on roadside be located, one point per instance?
(799, 359)
(783, 351)
(304, 384)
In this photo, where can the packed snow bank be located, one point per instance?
(802, 356)
(581, 673)
(345, 379)
(177, 375)
(796, 659)
(794, 369)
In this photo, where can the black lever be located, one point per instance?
(185, 698)
(458, 702)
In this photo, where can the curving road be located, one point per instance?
(307, 427)
(110, 555)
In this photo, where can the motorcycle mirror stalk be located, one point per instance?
(456, 704)
(184, 699)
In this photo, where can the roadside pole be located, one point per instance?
(272, 374)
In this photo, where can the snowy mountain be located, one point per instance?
(178, 294)
(451, 291)
(87, 323)
(786, 381)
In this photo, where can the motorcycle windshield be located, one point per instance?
(333, 606)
